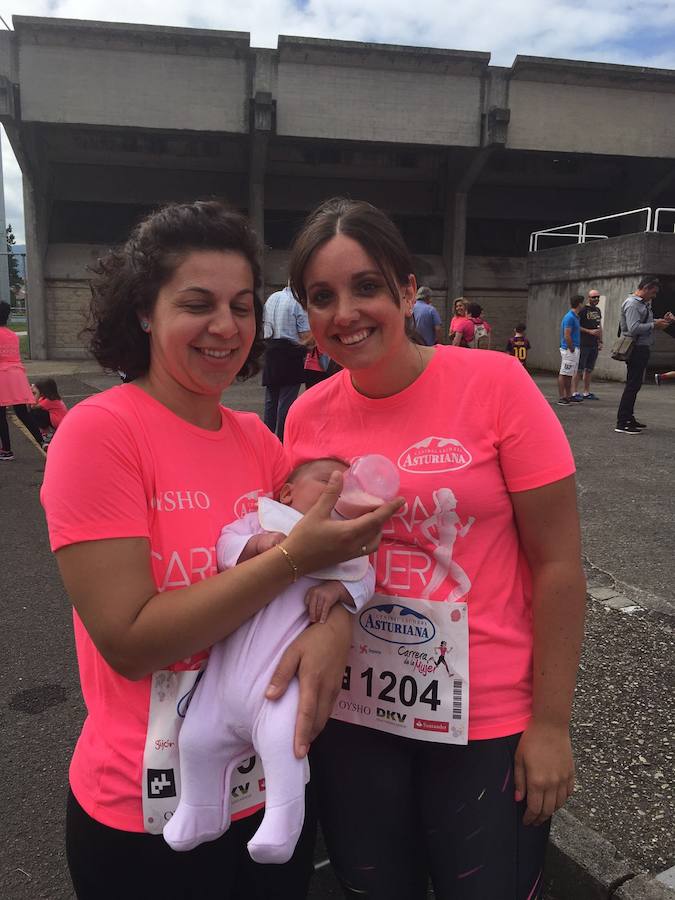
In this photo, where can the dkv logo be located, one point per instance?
(397, 624)
(433, 455)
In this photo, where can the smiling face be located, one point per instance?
(460, 308)
(203, 324)
(352, 313)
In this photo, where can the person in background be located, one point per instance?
(15, 389)
(49, 409)
(569, 351)
(663, 378)
(590, 326)
(286, 332)
(473, 331)
(518, 345)
(637, 321)
(427, 319)
(459, 307)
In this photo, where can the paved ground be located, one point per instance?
(624, 720)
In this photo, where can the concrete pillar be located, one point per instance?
(4, 261)
(262, 124)
(35, 214)
(454, 247)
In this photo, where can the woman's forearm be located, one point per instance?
(559, 605)
(139, 630)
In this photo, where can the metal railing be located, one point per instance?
(657, 214)
(550, 233)
(582, 234)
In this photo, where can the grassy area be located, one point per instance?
(17, 326)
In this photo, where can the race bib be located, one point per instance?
(170, 696)
(408, 670)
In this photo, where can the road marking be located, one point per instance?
(30, 437)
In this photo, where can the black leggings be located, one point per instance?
(107, 864)
(396, 812)
(24, 415)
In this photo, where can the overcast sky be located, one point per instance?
(634, 32)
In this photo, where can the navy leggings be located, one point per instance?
(396, 812)
(107, 864)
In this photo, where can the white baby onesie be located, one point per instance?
(229, 717)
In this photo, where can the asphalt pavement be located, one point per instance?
(624, 710)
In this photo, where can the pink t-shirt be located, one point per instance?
(470, 430)
(467, 326)
(57, 410)
(9, 348)
(14, 386)
(122, 465)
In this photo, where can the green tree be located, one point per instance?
(15, 281)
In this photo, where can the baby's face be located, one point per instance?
(303, 493)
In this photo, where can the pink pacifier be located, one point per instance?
(369, 482)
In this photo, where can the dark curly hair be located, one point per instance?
(127, 280)
(369, 227)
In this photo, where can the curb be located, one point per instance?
(583, 865)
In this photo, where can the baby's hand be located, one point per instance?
(259, 543)
(321, 598)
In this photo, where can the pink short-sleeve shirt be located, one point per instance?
(122, 465)
(472, 429)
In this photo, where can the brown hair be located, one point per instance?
(300, 469)
(127, 280)
(47, 388)
(371, 228)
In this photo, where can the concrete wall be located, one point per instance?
(378, 105)
(561, 117)
(614, 268)
(584, 107)
(108, 74)
(67, 293)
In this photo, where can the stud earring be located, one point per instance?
(145, 325)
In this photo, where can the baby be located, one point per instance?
(229, 717)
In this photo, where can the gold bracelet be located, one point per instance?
(291, 562)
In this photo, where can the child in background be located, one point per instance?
(229, 716)
(518, 345)
(49, 409)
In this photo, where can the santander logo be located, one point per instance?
(434, 454)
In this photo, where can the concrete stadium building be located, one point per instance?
(110, 120)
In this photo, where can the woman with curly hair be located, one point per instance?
(139, 481)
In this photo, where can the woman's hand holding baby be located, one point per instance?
(319, 540)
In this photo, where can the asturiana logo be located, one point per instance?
(397, 624)
(433, 455)
(248, 503)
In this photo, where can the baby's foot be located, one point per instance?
(275, 840)
(190, 826)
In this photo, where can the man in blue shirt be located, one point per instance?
(427, 320)
(570, 339)
(286, 332)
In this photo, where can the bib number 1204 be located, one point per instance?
(404, 690)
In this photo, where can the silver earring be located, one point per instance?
(145, 325)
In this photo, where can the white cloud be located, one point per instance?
(619, 31)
